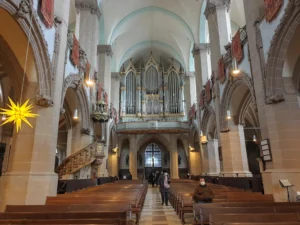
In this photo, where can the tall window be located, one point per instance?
(152, 80)
(152, 156)
(174, 92)
(130, 93)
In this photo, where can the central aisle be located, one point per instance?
(154, 213)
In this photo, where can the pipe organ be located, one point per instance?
(151, 92)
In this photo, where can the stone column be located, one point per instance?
(133, 157)
(174, 158)
(235, 159)
(195, 163)
(213, 158)
(205, 159)
(29, 177)
(217, 15)
(104, 77)
(69, 143)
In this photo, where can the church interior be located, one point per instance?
(111, 108)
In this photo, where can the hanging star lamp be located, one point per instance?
(17, 112)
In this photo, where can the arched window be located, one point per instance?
(152, 80)
(152, 156)
(130, 93)
(173, 87)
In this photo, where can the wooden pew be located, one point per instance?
(221, 219)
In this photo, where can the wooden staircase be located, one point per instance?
(90, 155)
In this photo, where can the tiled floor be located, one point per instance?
(154, 213)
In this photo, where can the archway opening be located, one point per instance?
(183, 167)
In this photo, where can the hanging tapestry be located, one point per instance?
(272, 8)
(75, 51)
(236, 46)
(202, 96)
(47, 12)
(87, 71)
(221, 67)
(207, 92)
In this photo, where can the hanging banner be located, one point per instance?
(87, 71)
(236, 45)
(75, 51)
(208, 92)
(221, 66)
(47, 12)
(202, 96)
(272, 8)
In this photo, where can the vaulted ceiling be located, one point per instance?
(168, 27)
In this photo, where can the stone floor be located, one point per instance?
(154, 213)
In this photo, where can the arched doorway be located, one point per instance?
(152, 157)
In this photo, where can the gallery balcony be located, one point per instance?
(150, 127)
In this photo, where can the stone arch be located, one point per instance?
(75, 81)
(185, 142)
(24, 16)
(155, 138)
(208, 115)
(276, 56)
(229, 89)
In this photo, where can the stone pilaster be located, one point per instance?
(69, 143)
(235, 161)
(133, 157)
(205, 159)
(32, 155)
(213, 158)
(174, 158)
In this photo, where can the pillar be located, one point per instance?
(205, 159)
(29, 177)
(80, 140)
(218, 17)
(133, 157)
(195, 163)
(174, 158)
(213, 158)
(104, 77)
(235, 161)
(69, 143)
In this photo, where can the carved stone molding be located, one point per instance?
(227, 95)
(91, 5)
(85, 131)
(212, 5)
(25, 15)
(200, 47)
(44, 101)
(104, 49)
(276, 56)
(208, 112)
(62, 110)
(82, 61)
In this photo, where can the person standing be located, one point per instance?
(151, 178)
(203, 194)
(164, 186)
(157, 175)
(129, 176)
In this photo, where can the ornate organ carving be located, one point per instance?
(151, 91)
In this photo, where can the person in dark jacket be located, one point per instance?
(203, 194)
(152, 179)
(164, 186)
(129, 176)
(157, 175)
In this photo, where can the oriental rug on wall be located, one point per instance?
(221, 66)
(47, 12)
(208, 92)
(75, 51)
(272, 8)
(236, 45)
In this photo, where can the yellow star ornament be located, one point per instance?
(18, 113)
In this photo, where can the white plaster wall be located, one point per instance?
(49, 34)
(124, 153)
(115, 93)
(268, 29)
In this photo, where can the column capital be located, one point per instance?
(104, 49)
(88, 5)
(199, 48)
(212, 5)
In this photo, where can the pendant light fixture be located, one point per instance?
(201, 134)
(235, 69)
(254, 138)
(228, 114)
(3, 117)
